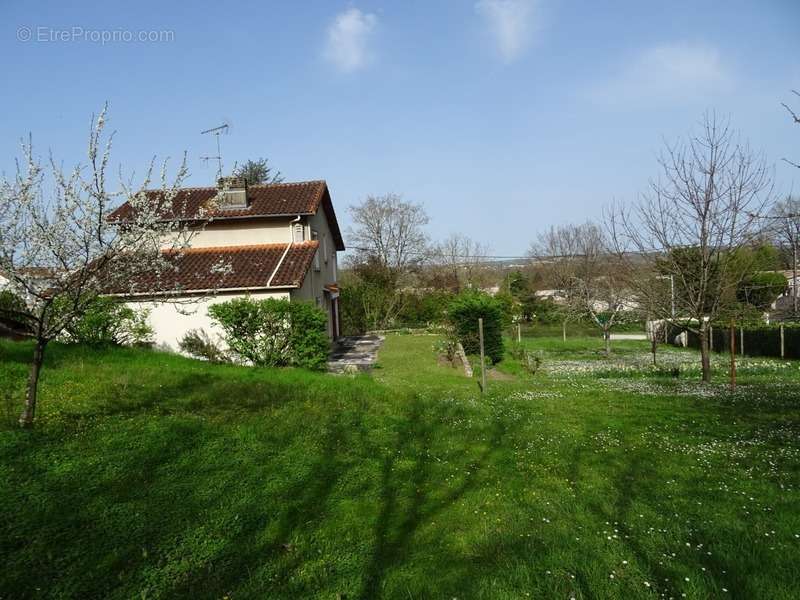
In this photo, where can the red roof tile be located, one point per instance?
(267, 200)
(230, 267)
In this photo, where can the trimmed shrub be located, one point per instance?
(274, 333)
(463, 314)
(309, 336)
(107, 321)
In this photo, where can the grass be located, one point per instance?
(154, 476)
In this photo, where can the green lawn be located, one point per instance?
(154, 476)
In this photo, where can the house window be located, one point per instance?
(315, 236)
(325, 248)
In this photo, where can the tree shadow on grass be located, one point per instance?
(266, 531)
(634, 480)
(66, 524)
(399, 518)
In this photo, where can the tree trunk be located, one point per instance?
(705, 358)
(26, 418)
(733, 354)
(564, 330)
(607, 336)
(794, 278)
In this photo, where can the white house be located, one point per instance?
(276, 241)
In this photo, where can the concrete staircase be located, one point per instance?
(354, 354)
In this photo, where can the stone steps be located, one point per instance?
(354, 354)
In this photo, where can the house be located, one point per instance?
(274, 240)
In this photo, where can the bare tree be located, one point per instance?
(796, 119)
(390, 230)
(60, 227)
(577, 263)
(461, 261)
(785, 226)
(689, 226)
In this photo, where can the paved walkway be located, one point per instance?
(354, 354)
(628, 336)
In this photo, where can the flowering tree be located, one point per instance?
(55, 222)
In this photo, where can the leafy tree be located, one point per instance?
(257, 172)
(370, 297)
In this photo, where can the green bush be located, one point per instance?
(424, 308)
(463, 314)
(760, 290)
(107, 321)
(274, 333)
(13, 312)
(529, 361)
(197, 343)
(510, 307)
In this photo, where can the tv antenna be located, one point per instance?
(216, 132)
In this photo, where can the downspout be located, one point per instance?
(286, 251)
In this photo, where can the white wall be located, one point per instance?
(245, 233)
(312, 288)
(171, 321)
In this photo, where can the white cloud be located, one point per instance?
(510, 23)
(677, 72)
(348, 38)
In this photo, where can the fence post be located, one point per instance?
(483, 360)
(783, 348)
(741, 340)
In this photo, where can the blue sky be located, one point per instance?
(501, 116)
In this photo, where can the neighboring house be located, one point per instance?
(263, 241)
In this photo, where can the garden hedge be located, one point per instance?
(763, 340)
(463, 314)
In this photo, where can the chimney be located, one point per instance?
(232, 192)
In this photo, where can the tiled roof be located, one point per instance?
(267, 200)
(231, 267)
